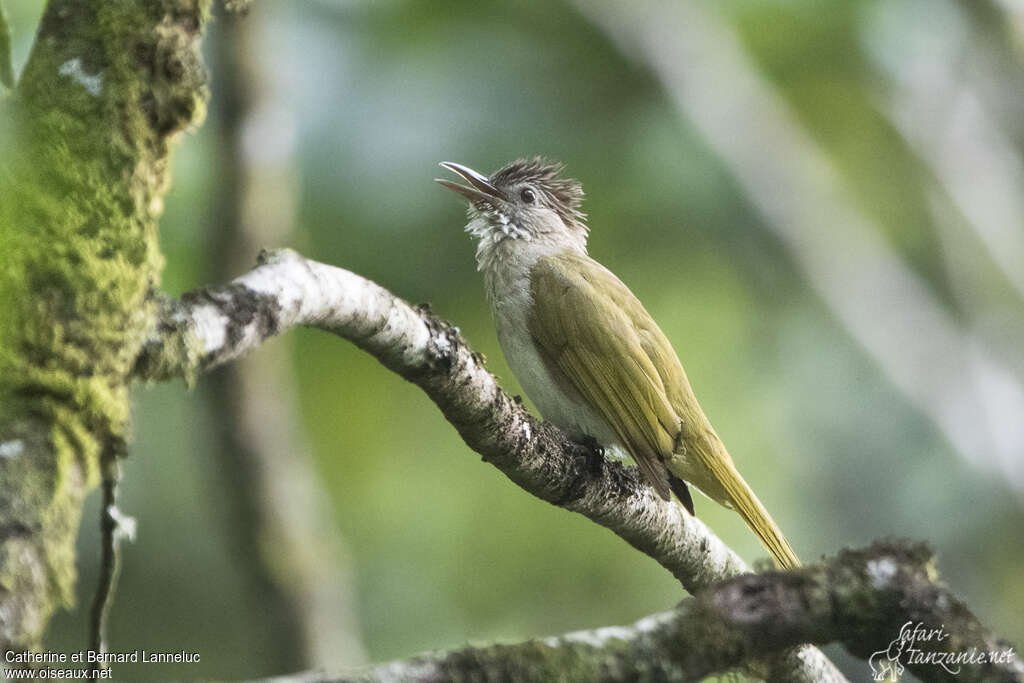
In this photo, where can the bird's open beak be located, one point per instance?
(479, 189)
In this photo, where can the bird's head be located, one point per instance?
(527, 200)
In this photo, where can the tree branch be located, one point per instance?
(863, 599)
(214, 325)
(211, 326)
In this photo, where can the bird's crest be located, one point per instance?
(563, 195)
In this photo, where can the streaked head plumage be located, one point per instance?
(524, 199)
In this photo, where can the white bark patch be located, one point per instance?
(881, 571)
(12, 448)
(126, 526)
(598, 638)
(444, 346)
(73, 70)
(211, 326)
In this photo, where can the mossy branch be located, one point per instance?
(863, 599)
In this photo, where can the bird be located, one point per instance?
(584, 349)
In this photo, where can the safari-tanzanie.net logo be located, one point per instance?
(917, 646)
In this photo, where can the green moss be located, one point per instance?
(86, 138)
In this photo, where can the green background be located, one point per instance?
(443, 550)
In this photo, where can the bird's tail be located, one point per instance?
(753, 513)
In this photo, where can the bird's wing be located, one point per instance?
(589, 325)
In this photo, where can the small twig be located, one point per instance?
(113, 526)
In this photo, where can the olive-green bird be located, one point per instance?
(585, 350)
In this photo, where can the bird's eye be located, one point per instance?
(527, 195)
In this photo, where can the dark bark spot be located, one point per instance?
(622, 481)
(144, 56)
(174, 69)
(189, 23)
(147, 102)
(39, 394)
(18, 529)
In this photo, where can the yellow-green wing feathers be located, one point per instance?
(589, 343)
(625, 368)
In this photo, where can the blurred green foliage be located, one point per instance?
(444, 550)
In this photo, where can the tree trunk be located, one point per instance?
(84, 169)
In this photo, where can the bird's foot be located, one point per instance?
(589, 464)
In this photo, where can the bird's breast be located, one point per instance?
(543, 382)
